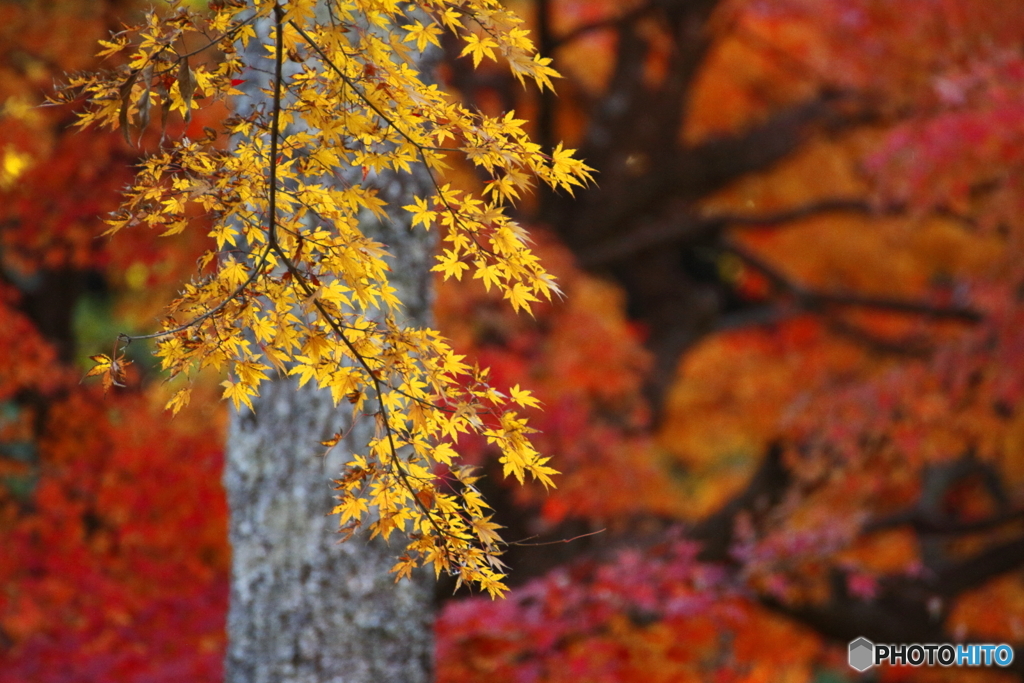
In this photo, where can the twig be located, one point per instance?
(275, 120)
(685, 226)
(813, 299)
(561, 540)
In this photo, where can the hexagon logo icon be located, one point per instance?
(862, 654)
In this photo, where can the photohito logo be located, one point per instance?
(864, 654)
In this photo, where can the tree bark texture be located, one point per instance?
(304, 607)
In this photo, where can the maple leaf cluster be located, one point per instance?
(295, 285)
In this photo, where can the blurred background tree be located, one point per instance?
(112, 517)
(786, 379)
(807, 215)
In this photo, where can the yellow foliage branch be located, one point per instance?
(294, 284)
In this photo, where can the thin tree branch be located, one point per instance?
(420, 148)
(814, 300)
(692, 227)
(378, 390)
(960, 577)
(831, 205)
(907, 347)
(924, 524)
(271, 191)
(557, 542)
(256, 271)
(683, 226)
(214, 41)
(275, 122)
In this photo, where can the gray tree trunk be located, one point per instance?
(305, 608)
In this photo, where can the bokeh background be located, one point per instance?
(785, 386)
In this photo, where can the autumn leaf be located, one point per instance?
(111, 371)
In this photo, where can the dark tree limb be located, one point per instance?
(906, 609)
(929, 517)
(922, 524)
(615, 22)
(912, 347)
(649, 186)
(681, 226)
(678, 225)
(814, 300)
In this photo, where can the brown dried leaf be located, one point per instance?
(187, 87)
(126, 102)
(144, 103)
